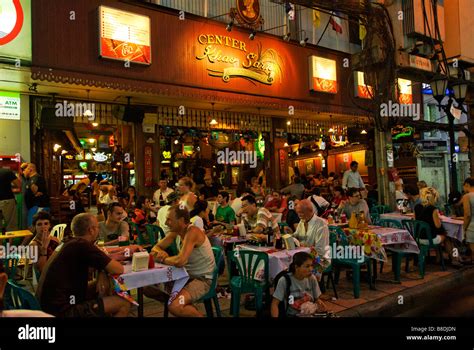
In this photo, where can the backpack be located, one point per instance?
(320, 210)
(282, 306)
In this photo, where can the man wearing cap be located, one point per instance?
(171, 199)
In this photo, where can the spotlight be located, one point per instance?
(95, 125)
(287, 36)
(303, 41)
(363, 132)
(288, 122)
(229, 26)
(286, 144)
(252, 35)
(176, 141)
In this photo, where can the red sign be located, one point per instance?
(124, 36)
(283, 165)
(13, 32)
(148, 166)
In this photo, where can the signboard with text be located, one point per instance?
(10, 105)
(124, 36)
(148, 165)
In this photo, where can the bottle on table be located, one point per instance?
(330, 219)
(362, 224)
(343, 218)
(353, 221)
(278, 240)
(3, 223)
(269, 232)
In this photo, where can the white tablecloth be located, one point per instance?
(453, 227)
(277, 260)
(160, 274)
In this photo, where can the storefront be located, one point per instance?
(213, 95)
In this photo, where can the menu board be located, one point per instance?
(124, 36)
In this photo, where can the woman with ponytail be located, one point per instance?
(303, 291)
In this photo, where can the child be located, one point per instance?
(304, 290)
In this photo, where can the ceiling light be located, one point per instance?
(252, 35)
(63, 152)
(331, 129)
(213, 122)
(91, 140)
(93, 149)
(288, 122)
(286, 144)
(363, 132)
(56, 147)
(95, 125)
(176, 141)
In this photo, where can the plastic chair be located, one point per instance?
(374, 217)
(17, 298)
(247, 262)
(329, 271)
(211, 295)
(380, 209)
(58, 231)
(340, 236)
(152, 234)
(420, 229)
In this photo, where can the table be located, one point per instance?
(453, 227)
(277, 260)
(159, 274)
(16, 234)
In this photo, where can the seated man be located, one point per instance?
(256, 219)
(313, 231)
(64, 289)
(114, 227)
(277, 204)
(225, 213)
(195, 255)
(355, 204)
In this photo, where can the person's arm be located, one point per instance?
(345, 177)
(190, 241)
(274, 307)
(467, 211)
(158, 251)
(436, 218)
(114, 267)
(361, 182)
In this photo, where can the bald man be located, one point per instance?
(312, 230)
(36, 196)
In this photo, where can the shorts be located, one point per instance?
(436, 240)
(87, 309)
(197, 288)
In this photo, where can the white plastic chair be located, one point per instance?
(58, 231)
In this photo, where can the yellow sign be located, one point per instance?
(262, 67)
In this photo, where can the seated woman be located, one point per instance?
(304, 290)
(427, 212)
(338, 197)
(200, 215)
(141, 212)
(46, 244)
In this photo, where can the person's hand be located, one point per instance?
(161, 256)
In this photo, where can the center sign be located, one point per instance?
(238, 60)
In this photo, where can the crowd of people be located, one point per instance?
(185, 216)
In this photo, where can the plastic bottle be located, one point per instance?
(343, 218)
(353, 222)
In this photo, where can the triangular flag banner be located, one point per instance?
(336, 22)
(316, 18)
(362, 31)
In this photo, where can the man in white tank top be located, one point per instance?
(195, 255)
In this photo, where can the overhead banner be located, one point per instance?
(9, 105)
(15, 29)
(124, 36)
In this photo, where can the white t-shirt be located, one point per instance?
(198, 222)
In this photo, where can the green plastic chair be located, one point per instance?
(211, 295)
(329, 271)
(247, 262)
(134, 230)
(375, 217)
(419, 229)
(17, 298)
(152, 232)
(173, 249)
(380, 209)
(342, 240)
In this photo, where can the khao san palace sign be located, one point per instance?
(232, 58)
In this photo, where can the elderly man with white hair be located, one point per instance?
(313, 231)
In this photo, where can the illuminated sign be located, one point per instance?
(322, 75)
(166, 155)
(247, 13)
(420, 63)
(124, 36)
(262, 67)
(100, 157)
(10, 105)
(401, 131)
(362, 90)
(15, 29)
(405, 93)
